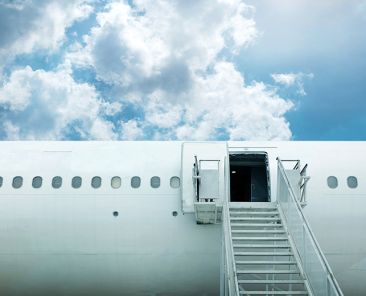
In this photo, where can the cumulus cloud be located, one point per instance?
(50, 105)
(27, 26)
(131, 130)
(292, 79)
(170, 58)
(221, 104)
(168, 61)
(155, 41)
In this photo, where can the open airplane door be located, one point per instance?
(203, 179)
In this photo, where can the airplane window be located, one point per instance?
(135, 182)
(17, 182)
(116, 182)
(56, 182)
(96, 182)
(1, 181)
(76, 182)
(352, 182)
(332, 182)
(174, 182)
(37, 182)
(155, 182)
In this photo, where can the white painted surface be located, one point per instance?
(203, 151)
(67, 242)
(210, 179)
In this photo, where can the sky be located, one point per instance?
(183, 70)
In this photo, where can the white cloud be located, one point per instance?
(143, 47)
(223, 101)
(170, 59)
(28, 26)
(131, 130)
(12, 131)
(291, 79)
(218, 104)
(285, 79)
(111, 109)
(50, 105)
(165, 57)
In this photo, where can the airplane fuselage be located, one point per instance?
(134, 239)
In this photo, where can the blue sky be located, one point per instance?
(183, 70)
(328, 40)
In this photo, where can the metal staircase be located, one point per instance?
(270, 249)
(265, 261)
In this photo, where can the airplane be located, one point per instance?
(182, 218)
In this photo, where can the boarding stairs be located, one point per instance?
(269, 248)
(265, 261)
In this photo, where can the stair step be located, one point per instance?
(263, 253)
(258, 239)
(266, 262)
(258, 231)
(251, 208)
(257, 224)
(261, 238)
(254, 219)
(255, 213)
(263, 246)
(270, 281)
(273, 293)
(267, 271)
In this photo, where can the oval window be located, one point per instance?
(135, 182)
(37, 182)
(17, 182)
(56, 182)
(76, 182)
(332, 182)
(155, 182)
(352, 182)
(174, 182)
(116, 182)
(96, 182)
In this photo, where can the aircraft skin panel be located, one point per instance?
(75, 246)
(68, 242)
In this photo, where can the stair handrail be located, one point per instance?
(230, 268)
(330, 274)
(229, 252)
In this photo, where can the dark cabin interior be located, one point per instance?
(249, 178)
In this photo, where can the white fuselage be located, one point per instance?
(69, 241)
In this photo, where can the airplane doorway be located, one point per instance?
(249, 177)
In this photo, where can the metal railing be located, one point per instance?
(303, 178)
(231, 287)
(317, 270)
(231, 284)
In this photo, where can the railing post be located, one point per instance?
(304, 246)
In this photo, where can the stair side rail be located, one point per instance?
(231, 287)
(317, 270)
(229, 262)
